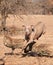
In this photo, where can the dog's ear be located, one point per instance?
(32, 26)
(24, 27)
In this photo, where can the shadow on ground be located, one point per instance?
(34, 54)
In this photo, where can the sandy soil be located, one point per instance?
(46, 39)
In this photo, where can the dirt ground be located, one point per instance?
(46, 39)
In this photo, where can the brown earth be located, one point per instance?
(45, 42)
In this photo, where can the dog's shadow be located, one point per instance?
(35, 54)
(29, 54)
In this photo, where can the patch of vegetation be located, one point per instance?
(43, 53)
